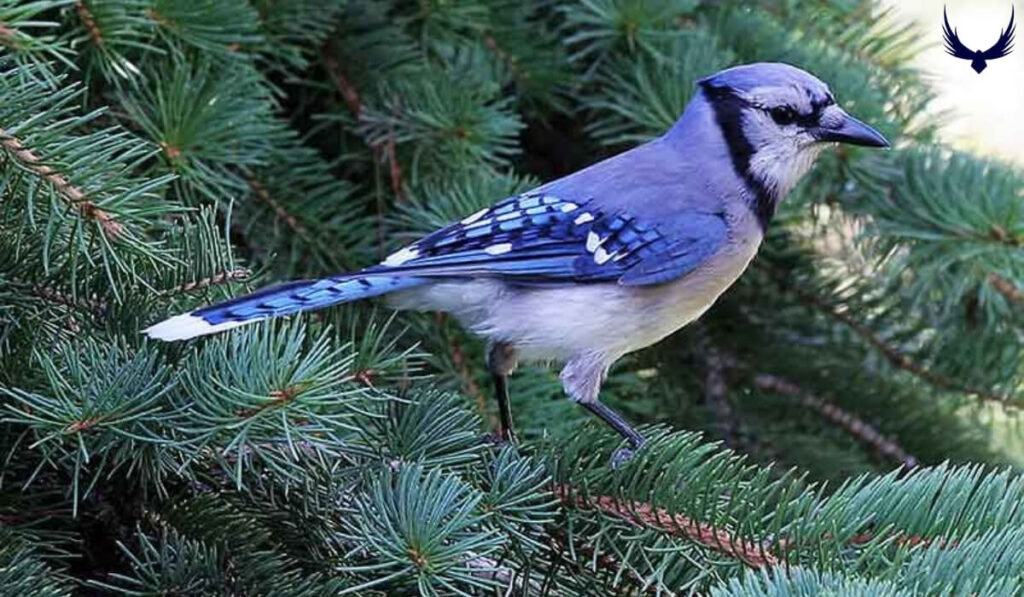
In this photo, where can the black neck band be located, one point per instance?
(728, 109)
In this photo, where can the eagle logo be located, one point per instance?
(956, 48)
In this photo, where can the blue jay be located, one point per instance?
(605, 261)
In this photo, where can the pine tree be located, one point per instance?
(831, 426)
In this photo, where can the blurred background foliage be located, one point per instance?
(844, 421)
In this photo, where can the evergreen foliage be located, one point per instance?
(831, 426)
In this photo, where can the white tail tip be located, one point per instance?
(183, 327)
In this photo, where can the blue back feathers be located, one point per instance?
(532, 239)
(537, 238)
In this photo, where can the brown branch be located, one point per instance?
(89, 21)
(561, 545)
(864, 432)
(907, 540)
(82, 425)
(642, 515)
(23, 516)
(1000, 235)
(74, 196)
(513, 64)
(366, 377)
(341, 82)
(394, 168)
(1006, 288)
(715, 388)
(381, 149)
(157, 17)
(261, 193)
(280, 398)
(893, 355)
(7, 33)
(470, 386)
(93, 306)
(235, 275)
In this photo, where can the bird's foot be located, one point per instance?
(491, 439)
(621, 457)
(497, 438)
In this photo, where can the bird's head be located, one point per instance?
(776, 119)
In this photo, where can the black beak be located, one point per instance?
(852, 131)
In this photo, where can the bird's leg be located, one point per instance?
(582, 377)
(501, 360)
(616, 422)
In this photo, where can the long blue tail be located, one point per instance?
(283, 299)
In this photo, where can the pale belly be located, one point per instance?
(559, 323)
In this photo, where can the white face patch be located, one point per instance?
(469, 220)
(783, 153)
(498, 249)
(780, 166)
(399, 257)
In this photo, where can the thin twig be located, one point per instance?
(74, 196)
(235, 275)
(1006, 288)
(90, 22)
(508, 59)
(893, 355)
(715, 387)
(261, 193)
(856, 427)
(93, 306)
(382, 149)
(470, 386)
(279, 398)
(640, 514)
(561, 544)
(907, 540)
(341, 82)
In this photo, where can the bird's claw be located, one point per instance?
(621, 457)
(496, 438)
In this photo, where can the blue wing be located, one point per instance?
(536, 238)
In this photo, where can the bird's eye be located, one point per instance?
(783, 115)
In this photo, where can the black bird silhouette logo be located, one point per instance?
(954, 47)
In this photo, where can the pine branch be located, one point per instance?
(893, 355)
(93, 306)
(856, 427)
(72, 195)
(643, 515)
(345, 88)
(562, 545)
(469, 383)
(89, 22)
(1006, 288)
(715, 387)
(261, 193)
(354, 102)
(235, 275)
